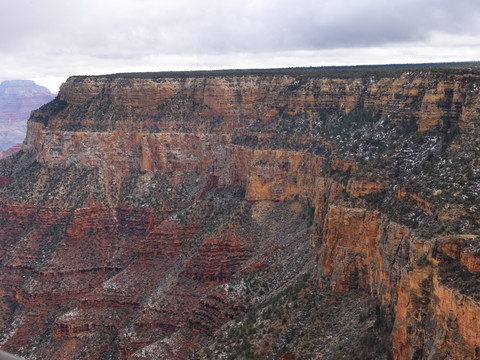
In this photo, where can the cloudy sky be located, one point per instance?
(49, 40)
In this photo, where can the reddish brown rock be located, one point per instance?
(135, 203)
(451, 319)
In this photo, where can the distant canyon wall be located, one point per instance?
(18, 98)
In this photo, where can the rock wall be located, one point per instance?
(135, 200)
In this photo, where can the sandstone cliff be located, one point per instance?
(246, 214)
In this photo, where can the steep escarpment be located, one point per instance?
(247, 215)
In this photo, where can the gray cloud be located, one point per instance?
(55, 38)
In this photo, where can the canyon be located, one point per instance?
(18, 98)
(294, 213)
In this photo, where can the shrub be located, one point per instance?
(424, 261)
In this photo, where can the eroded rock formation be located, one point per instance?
(146, 214)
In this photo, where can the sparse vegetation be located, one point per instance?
(424, 261)
(187, 253)
(361, 71)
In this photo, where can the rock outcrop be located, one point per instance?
(147, 213)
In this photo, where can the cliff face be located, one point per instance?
(143, 214)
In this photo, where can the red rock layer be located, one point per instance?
(199, 102)
(434, 320)
(141, 254)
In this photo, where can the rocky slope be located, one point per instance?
(263, 214)
(17, 100)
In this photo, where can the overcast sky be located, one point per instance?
(49, 40)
